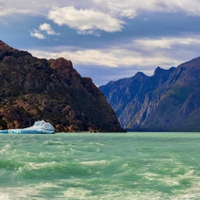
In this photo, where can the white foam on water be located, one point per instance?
(96, 144)
(5, 149)
(17, 193)
(35, 166)
(169, 181)
(192, 191)
(99, 144)
(52, 142)
(32, 165)
(113, 192)
(108, 192)
(151, 176)
(151, 195)
(4, 196)
(172, 180)
(166, 180)
(76, 193)
(45, 185)
(95, 162)
(28, 192)
(189, 175)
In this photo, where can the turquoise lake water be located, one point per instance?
(100, 166)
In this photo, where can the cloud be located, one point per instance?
(91, 16)
(104, 65)
(10, 12)
(117, 8)
(43, 29)
(108, 57)
(85, 21)
(164, 52)
(37, 34)
(47, 28)
(24, 7)
(167, 42)
(130, 8)
(124, 60)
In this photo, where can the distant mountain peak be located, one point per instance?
(158, 70)
(140, 74)
(166, 101)
(161, 71)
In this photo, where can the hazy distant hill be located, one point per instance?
(34, 89)
(167, 101)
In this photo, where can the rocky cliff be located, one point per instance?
(33, 89)
(166, 101)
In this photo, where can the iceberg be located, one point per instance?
(39, 127)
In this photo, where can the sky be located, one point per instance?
(105, 39)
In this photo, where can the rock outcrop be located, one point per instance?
(32, 89)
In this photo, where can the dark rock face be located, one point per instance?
(33, 89)
(166, 101)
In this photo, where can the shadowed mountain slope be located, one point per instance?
(166, 101)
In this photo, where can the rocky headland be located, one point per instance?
(32, 89)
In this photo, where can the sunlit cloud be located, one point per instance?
(86, 20)
(94, 15)
(164, 52)
(166, 42)
(43, 29)
(48, 29)
(37, 34)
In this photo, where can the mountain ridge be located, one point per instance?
(161, 102)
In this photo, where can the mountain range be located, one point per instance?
(169, 100)
(33, 89)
